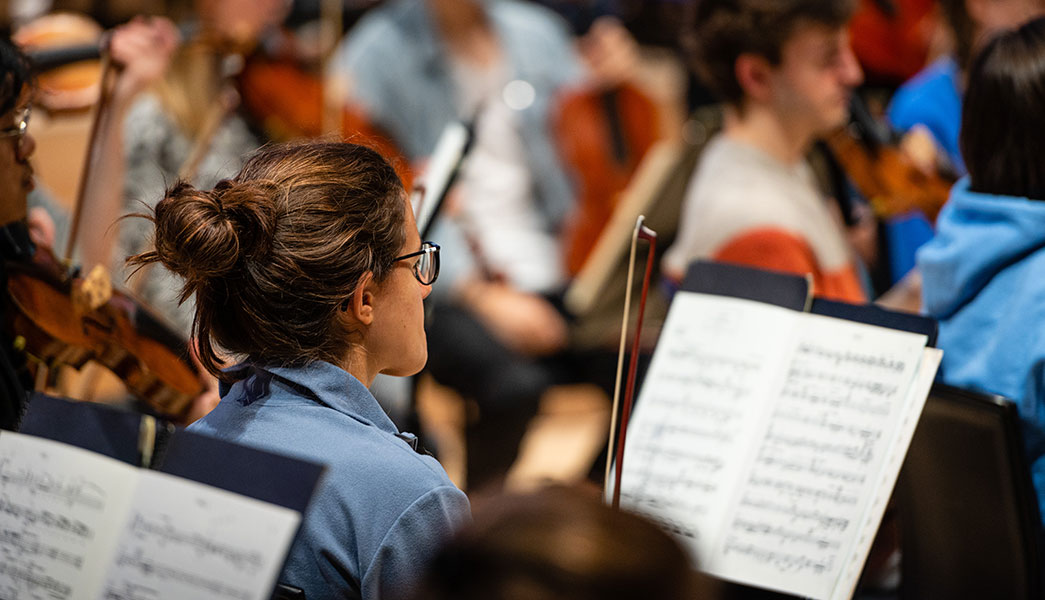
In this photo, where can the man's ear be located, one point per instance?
(754, 74)
(361, 303)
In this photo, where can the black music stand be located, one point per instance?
(969, 514)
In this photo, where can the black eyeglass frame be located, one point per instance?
(426, 247)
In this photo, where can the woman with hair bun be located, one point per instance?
(308, 267)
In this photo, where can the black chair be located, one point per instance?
(969, 514)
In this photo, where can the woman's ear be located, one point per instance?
(361, 303)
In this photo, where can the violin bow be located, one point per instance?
(645, 233)
(104, 96)
(226, 104)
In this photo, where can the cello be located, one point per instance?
(603, 130)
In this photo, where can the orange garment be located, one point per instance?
(745, 206)
(778, 250)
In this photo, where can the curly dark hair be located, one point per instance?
(722, 30)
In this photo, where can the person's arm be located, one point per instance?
(522, 321)
(140, 51)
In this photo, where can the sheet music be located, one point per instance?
(60, 511)
(762, 434)
(834, 415)
(909, 422)
(698, 409)
(187, 540)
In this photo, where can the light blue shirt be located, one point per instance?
(982, 279)
(381, 510)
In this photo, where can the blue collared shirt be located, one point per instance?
(382, 508)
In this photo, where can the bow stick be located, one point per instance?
(645, 233)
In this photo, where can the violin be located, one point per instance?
(64, 50)
(870, 156)
(53, 324)
(288, 101)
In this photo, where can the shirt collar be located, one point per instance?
(326, 383)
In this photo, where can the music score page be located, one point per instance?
(763, 438)
(75, 525)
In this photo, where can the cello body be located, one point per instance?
(603, 136)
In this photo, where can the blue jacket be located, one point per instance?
(382, 508)
(984, 280)
(933, 98)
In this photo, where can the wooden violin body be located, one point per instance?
(891, 182)
(287, 101)
(54, 330)
(65, 51)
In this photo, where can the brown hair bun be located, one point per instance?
(203, 235)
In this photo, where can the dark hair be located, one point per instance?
(273, 252)
(559, 543)
(15, 74)
(722, 30)
(1003, 120)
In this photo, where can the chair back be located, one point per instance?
(969, 513)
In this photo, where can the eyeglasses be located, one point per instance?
(426, 269)
(21, 125)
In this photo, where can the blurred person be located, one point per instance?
(785, 72)
(168, 115)
(16, 181)
(559, 544)
(495, 332)
(928, 107)
(309, 268)
(170, 107)
(933, 98)
(982, 271)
